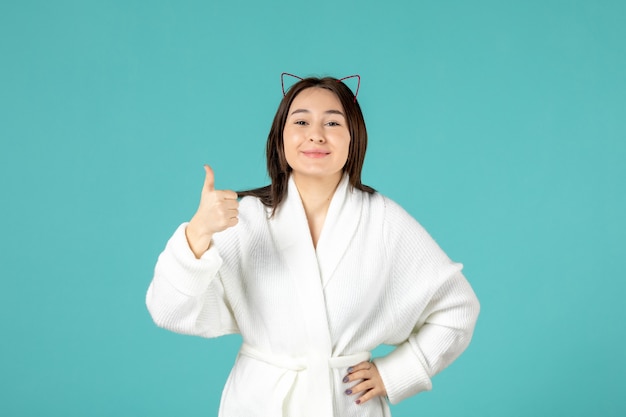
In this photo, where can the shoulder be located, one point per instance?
(402, 233)
(397, 216)
(250, 203)
(251, 208)
(387, 210)
(381, 211)
(377, 207)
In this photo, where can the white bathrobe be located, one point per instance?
(306, 314)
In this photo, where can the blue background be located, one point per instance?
(499, 125)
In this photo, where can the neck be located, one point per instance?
(316, 192)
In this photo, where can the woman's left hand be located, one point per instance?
(371, 385)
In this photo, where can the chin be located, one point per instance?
(317, 174)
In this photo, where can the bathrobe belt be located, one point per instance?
(320, 391)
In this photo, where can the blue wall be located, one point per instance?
(499, 125)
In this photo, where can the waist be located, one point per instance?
(300, 363)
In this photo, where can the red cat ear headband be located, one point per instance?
(282, 82)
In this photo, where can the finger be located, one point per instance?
(232, 213)
(226, 222)
(228, 195)
(373, 393)
(230, 204)
(360, 374)
(209, 179)
(360, 366)
(225, 214)
(361, 387)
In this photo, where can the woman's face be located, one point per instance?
(316, 135)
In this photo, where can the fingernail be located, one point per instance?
(345, 379)
(350, 369)
(358, 401)
(348, 391)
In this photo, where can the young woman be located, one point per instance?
(314, 271)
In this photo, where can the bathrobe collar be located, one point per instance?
(290, 228)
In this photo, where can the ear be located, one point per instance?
(357, 86)
(282, 80)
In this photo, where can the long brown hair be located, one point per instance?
(278, 169)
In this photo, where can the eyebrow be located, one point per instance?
(326, 112)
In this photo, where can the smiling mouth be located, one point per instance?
(316, 154)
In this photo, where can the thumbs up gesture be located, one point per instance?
(217, 211)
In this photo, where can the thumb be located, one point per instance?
(209, 180)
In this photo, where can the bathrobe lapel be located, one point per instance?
(342, 220)
(291, 233)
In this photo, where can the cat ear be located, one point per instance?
(357, 86)
(282, 81)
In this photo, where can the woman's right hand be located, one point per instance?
(218, 210)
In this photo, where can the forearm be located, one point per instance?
(198, 243)
(444, 335)
(185, 294)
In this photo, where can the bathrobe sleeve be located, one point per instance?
(435, 309)
(186, 294)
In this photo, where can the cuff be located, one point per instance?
(402, 373)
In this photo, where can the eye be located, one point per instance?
(300, 123)
(333, 124)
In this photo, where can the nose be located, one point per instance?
(316, 135)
